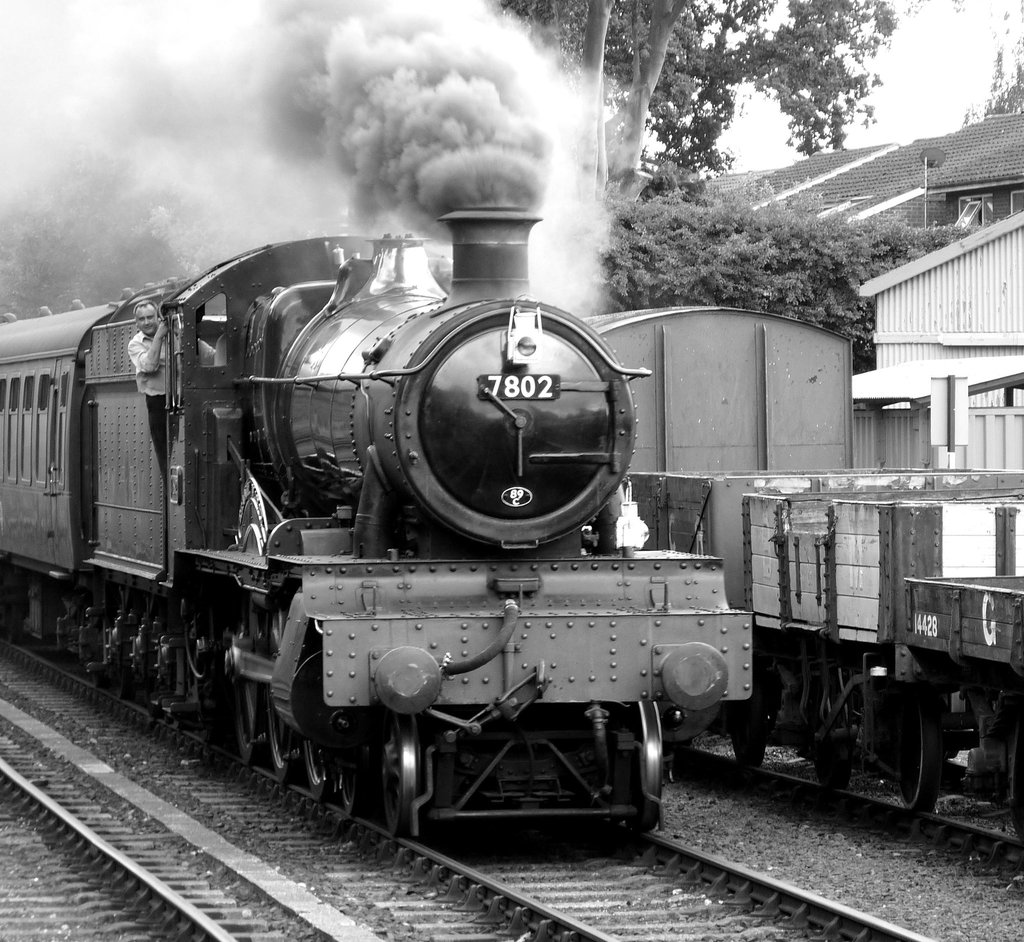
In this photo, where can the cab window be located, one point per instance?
(211, 331)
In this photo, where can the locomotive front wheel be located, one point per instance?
(920, 751)
(647, 773)
(282, 746)
(248, 718)
(400, 765)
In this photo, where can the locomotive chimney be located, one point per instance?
(489, 253)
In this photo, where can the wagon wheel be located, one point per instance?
(321, 770)
(1015, 762)
(832, 746)
(283, 748)
(647, 771)
(400, 768)
(248, 720)
(920, 750)
(750, 722)
(833, 761)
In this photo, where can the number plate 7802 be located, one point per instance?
(517, 386)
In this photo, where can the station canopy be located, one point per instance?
(912, 381)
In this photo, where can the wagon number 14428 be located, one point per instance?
(927, 624)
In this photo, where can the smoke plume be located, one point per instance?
(289, 118)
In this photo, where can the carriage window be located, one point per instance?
(12, 434)
(3, 394)
(64, 389)
(28, 393)
(211, 331)
(43, 402)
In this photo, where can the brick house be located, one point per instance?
(971, 177)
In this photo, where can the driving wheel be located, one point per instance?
(400, 766)
(321, 770)
(249, 736)
(282, 746)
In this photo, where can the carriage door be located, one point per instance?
(42, 417)
(56, 411)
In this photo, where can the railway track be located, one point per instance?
(91, 887)
(601, 885)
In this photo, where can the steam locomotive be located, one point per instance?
(392, 551)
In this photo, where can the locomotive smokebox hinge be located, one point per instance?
(658, 591)
(368, 595)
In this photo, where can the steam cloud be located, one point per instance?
(422, 110)
(294, 117)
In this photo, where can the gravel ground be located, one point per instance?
(931, 891)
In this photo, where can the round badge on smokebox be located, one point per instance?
(516, 496)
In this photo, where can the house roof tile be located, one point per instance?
(989, 151)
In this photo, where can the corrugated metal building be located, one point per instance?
(964, 300)
(957, 311)
(892, 418)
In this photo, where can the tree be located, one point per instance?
(87, 233)
(671, 69)
(1007, 92)
(676, 250)
(817, 67)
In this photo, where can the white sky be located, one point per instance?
(938, 66)
(55, 55)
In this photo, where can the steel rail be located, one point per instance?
(140, 877)
(467, 888)
(519, 913)
(771, 896)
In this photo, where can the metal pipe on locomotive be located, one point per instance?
(396, 549)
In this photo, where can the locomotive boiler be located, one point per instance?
(396, 557)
